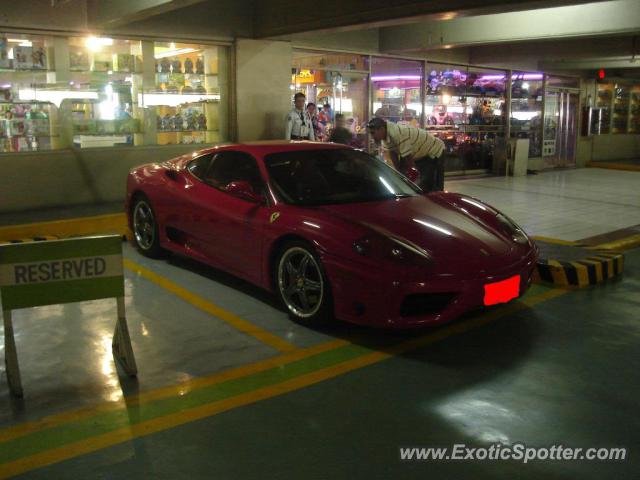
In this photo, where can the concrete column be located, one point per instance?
(263, 98)
(144, 81)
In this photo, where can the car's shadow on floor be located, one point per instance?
(504, 341)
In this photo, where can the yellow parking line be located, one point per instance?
(110, 223)
(555, 241)
(235, 321)
(155, 425)
(181, 388)
(626, 243)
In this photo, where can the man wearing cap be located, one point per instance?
(407, 146)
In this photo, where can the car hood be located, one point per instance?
(433, 222)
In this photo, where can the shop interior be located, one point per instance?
(103, 92)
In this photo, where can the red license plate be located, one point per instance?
(503, 291)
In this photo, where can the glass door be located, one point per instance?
(560, 128)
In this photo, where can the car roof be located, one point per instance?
(266, 147)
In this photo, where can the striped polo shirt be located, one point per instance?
(412, 142)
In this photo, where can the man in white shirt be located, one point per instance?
(405, 146)
(299, 125)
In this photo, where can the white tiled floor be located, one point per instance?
(565, 204)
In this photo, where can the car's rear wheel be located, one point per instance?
(145, 227)
(303, 285)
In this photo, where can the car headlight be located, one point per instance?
(512, 229)
(392, 248)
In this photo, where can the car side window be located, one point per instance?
(232, 166)
(199, 166)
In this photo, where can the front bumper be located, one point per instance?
(390, 299)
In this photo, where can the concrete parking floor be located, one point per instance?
(567, 204)
(558, 367)
(229, 388)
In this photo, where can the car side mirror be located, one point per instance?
(242, 189)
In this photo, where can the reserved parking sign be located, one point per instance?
(62, 271)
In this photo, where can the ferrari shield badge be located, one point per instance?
(274, 217)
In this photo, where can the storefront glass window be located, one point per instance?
(336, 84)
(526, 109)
(28, 119)
(556, 81)
(97, 105)
(108, 92)
(465, 107)
(396, 90)
(185, 104)
(621, 102)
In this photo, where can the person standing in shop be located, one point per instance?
(406, 146)
(340, 133)
(317, 127)
(299, 126)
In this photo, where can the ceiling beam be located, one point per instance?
(617, 17)
(114, 13)
(274, 18)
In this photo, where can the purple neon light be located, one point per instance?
(382, 78)
(526, 76)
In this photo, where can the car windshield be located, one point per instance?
(331, 176)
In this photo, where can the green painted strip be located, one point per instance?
(101, 423)
(33, 295)
(60, 249)
(61, 435)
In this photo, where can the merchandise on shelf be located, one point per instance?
(604, 96)
(26, 126)
(620, 115)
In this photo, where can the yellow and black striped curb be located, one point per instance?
(31, 239)
(597, 266)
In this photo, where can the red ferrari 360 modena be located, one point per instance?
(332, 230)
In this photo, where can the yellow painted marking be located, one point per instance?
(583, 274)
(598, 267)
(179, 389)
(556, 241)
(180, 418)
(558, 273)
(232, 319)
(274, 217)
(626, 243)
(112, 223)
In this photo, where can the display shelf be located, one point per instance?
(28, 126)
(620, 116)
(604, 97)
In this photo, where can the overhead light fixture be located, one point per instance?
(171, 53)
(96, 43)
(21, 41)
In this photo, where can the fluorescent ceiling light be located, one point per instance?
(21, 41)
(54, 96)
(96, 43)
(171, 53)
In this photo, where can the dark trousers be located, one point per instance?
(431, 173)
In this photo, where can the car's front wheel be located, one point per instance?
(303, 285)
(145, 227)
